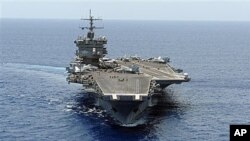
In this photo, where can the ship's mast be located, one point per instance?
(91, 27)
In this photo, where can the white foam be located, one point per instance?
(69, 106)
(68, 110)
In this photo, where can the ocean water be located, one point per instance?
(36, 103)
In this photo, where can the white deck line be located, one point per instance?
(137, 97)
(125, 94)
(114, 96)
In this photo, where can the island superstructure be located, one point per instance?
(123, 87)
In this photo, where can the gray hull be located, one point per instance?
(126, 113)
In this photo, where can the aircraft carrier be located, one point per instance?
(124, 87)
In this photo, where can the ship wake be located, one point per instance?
(33, 67)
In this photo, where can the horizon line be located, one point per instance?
(12, 18)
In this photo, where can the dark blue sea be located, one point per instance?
(36, 103)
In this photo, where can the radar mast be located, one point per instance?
(91, 27)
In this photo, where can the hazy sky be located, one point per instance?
(218, 10)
